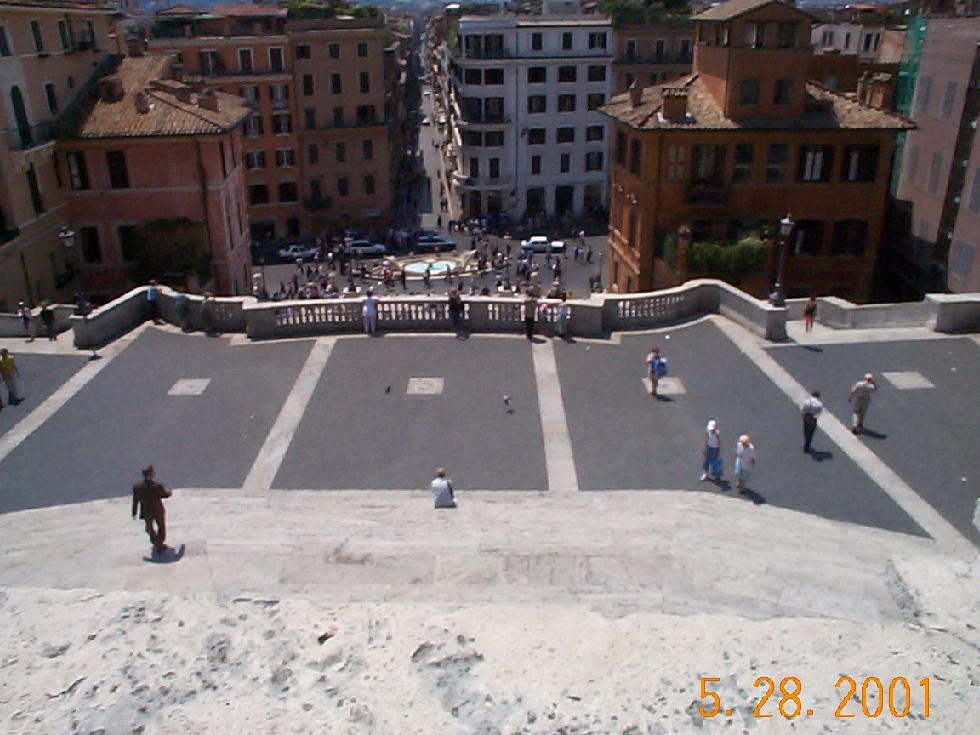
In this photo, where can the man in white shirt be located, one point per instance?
(442, 490)
(812, 407)
(861, 398)
(370, 312)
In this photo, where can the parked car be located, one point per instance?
(433, 244)
(541, 244)
(299, 252)
(426, 121)
(365, 249)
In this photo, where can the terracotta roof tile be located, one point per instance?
(826, 110)
(167, 114)
(735, 8)
(67, 4)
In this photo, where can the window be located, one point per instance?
(253, 126)
(748, 92)
(593, 161)
(493, 76)
(365, 115)
(365, 80)
(566, 74)
(288, 191)
(474, 167)
(275, 60)
(250, 93)
(494, 139)
(118, 174)
(786, 34)
(776, 163)
(307, 85)
(279, 94)
(77, 171)
(537, 74)
(472, 138)
(566, 103)
(245, 60)
(595, 101)
(755, 35)
(362, 49)
(860, 163)
(636, 155)
(340, 151)
(660, 50)
(850, 236)
(631, 54)
(948, 100)
(913, 167)
(685, 52)
(935, 166)
(566, 135)
(333, 50)
(536, 136)
(369, 184)
(50, 97)
(535, 164)
(536, 44)
(303, 52)
(708, 163)
(335, 84)
(472, 76)
(782, 92)
(281, 123)
(338, 117)
(36, 34)
(595, 132)
(961, 259)
(343, 187)
(537, 103)
(744, 156)
(129, 247)
(367, 150)
(64, 35)
(285, 158)
(566, 41)
(4, 43)
(597, 73)
(815, 162)
(35, 190)
(316, 190)
(924, 92)
(91, 247)
(313, 153)
(255, 159)
(597, 40)
(565, 163)
(309, 118)
(807, 238)
(975, 192)
(258, 194)
(828, 38)
(494, 168)
(620, 148)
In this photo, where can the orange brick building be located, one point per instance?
(727, 151)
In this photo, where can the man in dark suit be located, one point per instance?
(148, 496)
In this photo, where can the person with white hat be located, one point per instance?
(861, 398)
(744, 461)
(711, 463)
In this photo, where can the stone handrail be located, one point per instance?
(940, 312)
(11, 325)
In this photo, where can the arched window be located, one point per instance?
(20, 115)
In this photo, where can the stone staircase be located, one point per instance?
(675, 552)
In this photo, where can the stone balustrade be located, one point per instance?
(11, 325)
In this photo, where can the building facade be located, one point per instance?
(155, 182)
(524, 97)
(651, 54)
(48, 53)
(719, 157)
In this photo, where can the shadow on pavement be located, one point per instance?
(168, 556)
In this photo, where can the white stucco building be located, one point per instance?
(523, 102)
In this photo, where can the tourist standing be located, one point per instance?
(403, 278)
(711, 465)
(207, 313)
(744, 461)
(809, 312)
(442, 490)
(812, 408)
(47, 319)
(152, 292)
(530, 312)
(28, 319)
(564, 311)
(860, 398)
(148, 496)
(180, 304)
(9, 373)
(456, 309)
(656, 368)
(370, 312)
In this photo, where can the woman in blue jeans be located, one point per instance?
(712, 452)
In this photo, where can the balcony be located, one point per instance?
(473, 121)
(316, 204)
(279, 103)
(479, 54)
(634, 59)
(482, 182)
(707, 192)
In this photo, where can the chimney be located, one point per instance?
(142, 101)
(134, 46)
(636, 95)
(111, 89)
(674, 104)
(208, 100)
(183, 94)
(177, 72)
(880, 92)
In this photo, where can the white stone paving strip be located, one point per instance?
(559, 460)
(36, 418)
(944, 533)
(273, 451)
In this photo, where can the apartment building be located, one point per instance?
(651, 54)
(719, 157)
(524, 99)
(155, 184)
(49, 51)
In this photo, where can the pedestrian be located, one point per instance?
(207, 313)
(47, 319)
(810, 410)
(370, 312)
(28, 320)
(809, 312)
(456, 309)
(860, 397)
(442, 490)
(711, 464)
(656, 368)
(564, 311)
(744, 461)
(180, 305)
(578, 252)
(439, 221)
(9, 373)
(557, 269)
(530, 311)
(427, 276)
(151, 300)
(403, 278)
(148, 496)
(588, 254)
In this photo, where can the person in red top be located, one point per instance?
(148, 496)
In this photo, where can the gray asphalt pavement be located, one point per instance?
(40, 376)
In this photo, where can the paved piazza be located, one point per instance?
(356, 413)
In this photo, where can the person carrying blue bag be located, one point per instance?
(656, 368)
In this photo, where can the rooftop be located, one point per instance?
(66, 4)
(826, 110)
(734, 8)
(166, 113)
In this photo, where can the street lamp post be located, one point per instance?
(67, 237)
(786, 225)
